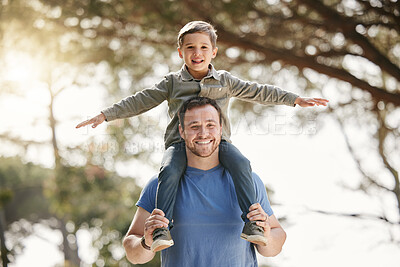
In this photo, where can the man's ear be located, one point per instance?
(180, 131)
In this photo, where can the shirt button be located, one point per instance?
(219, 89)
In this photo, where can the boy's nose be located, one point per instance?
(197, 52)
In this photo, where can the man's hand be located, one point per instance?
(310, 102)
(273, 231)
(258, 214)
(155, 220)
(95, 121)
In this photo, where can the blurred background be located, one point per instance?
(67, 196)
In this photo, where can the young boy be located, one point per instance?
(197, 47)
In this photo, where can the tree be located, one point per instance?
(348, 50)
(22, 202)
(62, 70)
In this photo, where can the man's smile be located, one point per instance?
(206, 142)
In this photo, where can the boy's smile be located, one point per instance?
(197, 53)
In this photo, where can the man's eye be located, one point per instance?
(194, 127)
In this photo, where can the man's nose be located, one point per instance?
(203, 131)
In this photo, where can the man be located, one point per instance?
(207, 223)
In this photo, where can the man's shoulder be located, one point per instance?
(148, 195)
(256, 177)
(258, 183)
(257, 180)
(151, 185)
(153, 181)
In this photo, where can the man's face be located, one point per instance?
(202, 131)
(197, 52)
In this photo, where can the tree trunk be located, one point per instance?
(4, 251)
(71, 258)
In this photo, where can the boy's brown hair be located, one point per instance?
(198, 26)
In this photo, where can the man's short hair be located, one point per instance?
(194, 102)
(195, 27)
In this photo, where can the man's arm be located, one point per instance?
(143, 224)
(273, 231)
(276, 237)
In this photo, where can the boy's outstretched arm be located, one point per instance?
(95, 121)
(310, 102)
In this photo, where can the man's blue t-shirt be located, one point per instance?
(207, 222)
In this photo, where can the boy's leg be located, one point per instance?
(241, 173)
(240, 170)
(172, 168)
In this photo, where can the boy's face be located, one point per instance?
(197, 52)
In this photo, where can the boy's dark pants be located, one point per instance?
(173, 167)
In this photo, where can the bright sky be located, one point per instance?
(306, 167)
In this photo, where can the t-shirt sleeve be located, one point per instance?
(147, 199)
(261, 194)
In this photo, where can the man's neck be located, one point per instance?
(201, 163)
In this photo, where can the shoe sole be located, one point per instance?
(159, 245)
(255, 239)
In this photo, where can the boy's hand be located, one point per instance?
(95, 120)
(310, 102)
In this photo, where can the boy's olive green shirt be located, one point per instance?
(178, 87)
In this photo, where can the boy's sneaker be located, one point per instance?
(254, 234)
(161, 239)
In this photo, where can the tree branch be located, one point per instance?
(382, 12)
(273, 54)
(357, 160)
(357, 215)
(335, 21)
(382, 134)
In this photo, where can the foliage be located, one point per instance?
(86, 198)
(100, 202)
(22, 200)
